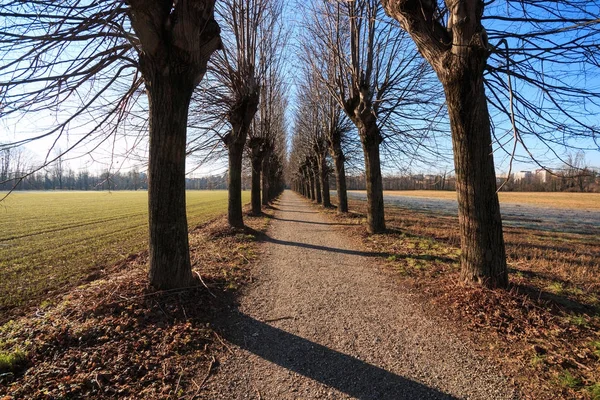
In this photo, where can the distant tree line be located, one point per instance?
(566, 180)
(15, 163)
(404, 182)
(586, 180)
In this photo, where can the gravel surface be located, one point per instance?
(518, 215)
(322, 321)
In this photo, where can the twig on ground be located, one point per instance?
(212, 362)
(278, 319)
(178, 382)
(204, 284)
(223, 342)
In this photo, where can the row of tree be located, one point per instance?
(528, 66)
(211, 77)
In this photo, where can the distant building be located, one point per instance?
(523, 175)
(544, 175)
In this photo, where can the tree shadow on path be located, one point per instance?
(269, 239)
(312, 222)
(336, 370)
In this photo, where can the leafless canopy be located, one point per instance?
(72, 66)
(361, 55)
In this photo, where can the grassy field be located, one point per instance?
(49, 240)
(584, 201)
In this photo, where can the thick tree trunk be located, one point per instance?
(168, 230)
(458, 52)
(483, 257)
(317, 181)
(340, 176)
(255, 190)
(240, 118)
(370, 139)
(234, 205)
(324, 181)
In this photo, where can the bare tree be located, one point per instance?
(337, 130)
(372, 74)
(269, 121)
(230, 97)
(530, 38)
(57, 55)
(57, 169)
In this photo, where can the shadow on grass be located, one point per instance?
(332, 368)
(560, 302)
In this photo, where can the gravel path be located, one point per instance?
(323, 322)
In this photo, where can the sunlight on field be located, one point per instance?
(584, 201)
(49, 239)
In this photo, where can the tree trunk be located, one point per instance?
(240, 118)
(483, 257)
(313, 191)
(265, 181)
(317, 180)
(340, 176)
(255, 190)
(324, 181)
(307, 187)
(370, 139)
(458, 52)
(234, 206)
(168, 230)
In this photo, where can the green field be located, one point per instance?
(49, 240)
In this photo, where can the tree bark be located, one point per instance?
(370, 139)
(340, 175)
(234, 205)
(324, 180)
(313, 190)
(317, 180)
(307, 187)
(483, 257)
(255, 190)
(265, 181)
(168, 229)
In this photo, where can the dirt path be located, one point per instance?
(322, 322)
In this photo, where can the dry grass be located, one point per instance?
(545, 327)
(582, 201)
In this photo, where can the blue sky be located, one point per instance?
(111, 153)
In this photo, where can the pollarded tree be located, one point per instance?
(309, 130)
(538, 43)
(274, 160)
(268, 123)
(86, 61)
(336, 130)
(372, 73)
(230, 96)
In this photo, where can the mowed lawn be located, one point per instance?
(584, 201)
(49, 240)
